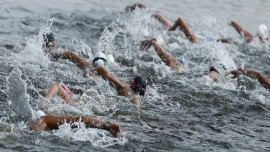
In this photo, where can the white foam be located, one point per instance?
(17, 96)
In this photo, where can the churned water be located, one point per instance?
(181, 112)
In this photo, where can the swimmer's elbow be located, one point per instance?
(137, 101)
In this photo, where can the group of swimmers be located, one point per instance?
(137, 88)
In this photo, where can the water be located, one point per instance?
(184, 112)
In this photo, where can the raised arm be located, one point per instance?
(56, 89)
(225, 41)
(253, 74)
(122, 88)
(241, 31)
(185, 29)
(163, 20)
(133, 7)
(80, 62)
(105, 74)
(165, 57)
(51, 122)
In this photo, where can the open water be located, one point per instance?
(181, 112)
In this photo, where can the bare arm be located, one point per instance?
(226, 41)
(105, 74)
(185, 29)
(240, 30)
(122, 88)
(163, 20)
(165, 57)
(253, 74)
(50, 122)
(133, 7)
(80, 62)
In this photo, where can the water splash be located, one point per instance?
(18, 99)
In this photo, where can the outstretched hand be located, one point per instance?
(146, 44)
(236, 73)
(115, 130)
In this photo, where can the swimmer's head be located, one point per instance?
(99, 60)
(48, 39)
(262, 32)
(138, 85)
(219, 67)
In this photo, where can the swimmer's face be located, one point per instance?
(214, 75)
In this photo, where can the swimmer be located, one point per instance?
(178, 23)
(62, 91)
(22, 109)
(52, 122)
(137, 87)
(98, 68)
(176, 64)
(49, 47)
(252, 74)
(262, 32)
(218, 71)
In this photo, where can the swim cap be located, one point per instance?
(99, 60)
(67, 90)
(138, 85)
(220, 67)
(48, 38)
(39, 113)
(262, 31)
(182, 60)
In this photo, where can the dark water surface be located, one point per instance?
(181, 112)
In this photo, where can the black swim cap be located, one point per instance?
(48, 38)
(138, 85)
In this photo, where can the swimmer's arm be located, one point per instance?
(133, 7)
(50, 122)
(54, 90)
(253, 74)
(105, 74)
(136, 101)
(146, 44)
(185, 29)
(240, 30)
(165, 57)
(80, 62)
(225, 41)
(163, 20)
(24, 44)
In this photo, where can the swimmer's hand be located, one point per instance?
(115, 130)
(133, 7)
(237, 73)
(146, 44)
(24, 44)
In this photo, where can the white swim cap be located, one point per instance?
(262, 31)
(220, 67)
(99, 60)
(39, 113)
(110, 58)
